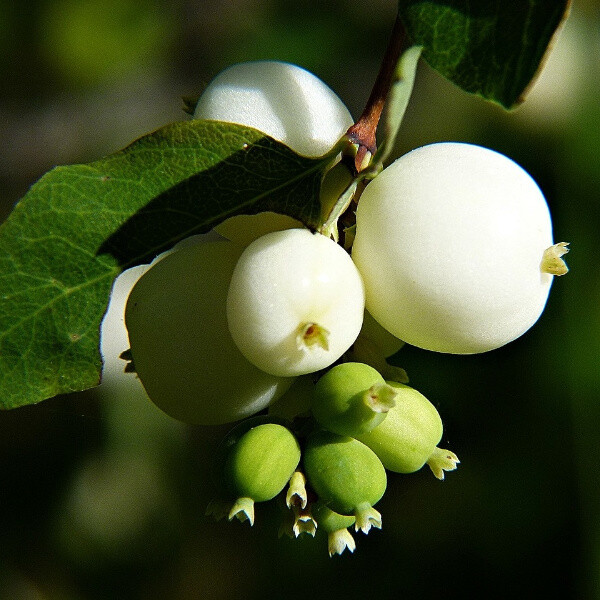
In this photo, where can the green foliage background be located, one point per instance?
(101, 497)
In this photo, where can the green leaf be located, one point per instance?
(398, 98)
(80, 225)
(489, 48)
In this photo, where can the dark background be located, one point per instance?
(103, 497)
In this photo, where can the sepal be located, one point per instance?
(303, 521)
(442, 460)
(339, 540)
(242, 509)
(367, 517)
(296, 494)
(312, 335)
(380, 397)
(552, 261)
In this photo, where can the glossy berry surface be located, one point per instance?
(409, 434)
(450, 240)
(260, 463)
(180, 342)
(283, 100)
(347, 475)
(295, 302)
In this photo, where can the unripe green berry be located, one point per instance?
(220, 506)
(336, 528)
(236, 432)
(352, 398)
(258, 466)
(408, 436)
(346, 475)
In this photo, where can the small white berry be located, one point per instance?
(295, 302)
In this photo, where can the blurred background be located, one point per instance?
(102, 497)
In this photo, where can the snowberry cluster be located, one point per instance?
(452, 252)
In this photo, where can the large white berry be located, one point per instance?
(450, 242)
(295, 302)
(181, 346)
(283, 100)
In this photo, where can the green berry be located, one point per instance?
(346, 475)
(352, 398)
(231, 439)
(258, 466)
(408, 437)
(336, 528)
(239, 429)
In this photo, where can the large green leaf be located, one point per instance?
(80, 225)
(492, 48)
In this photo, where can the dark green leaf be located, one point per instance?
(80, 225)
(492, 48)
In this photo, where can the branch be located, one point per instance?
(363, 132)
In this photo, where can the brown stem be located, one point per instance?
(363, 132)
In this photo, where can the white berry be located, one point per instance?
(244, 229)
(295, 302)
(181, 347)
(283, 100)
(450, 241)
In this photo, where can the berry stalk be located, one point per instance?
(363, 132)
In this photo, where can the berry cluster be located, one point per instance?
(452, 252)
(330, 444)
